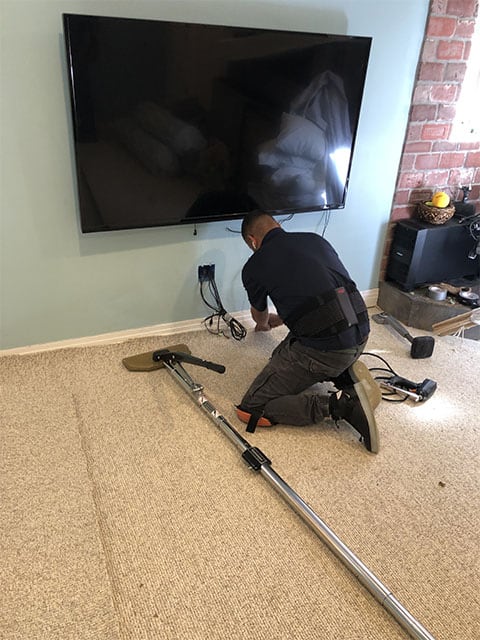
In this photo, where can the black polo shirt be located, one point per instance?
(290, 267)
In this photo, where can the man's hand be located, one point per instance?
(264, 320)
(261, 319)
(274, 320)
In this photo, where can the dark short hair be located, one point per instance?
(251, 219)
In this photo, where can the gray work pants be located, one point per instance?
(282, 389)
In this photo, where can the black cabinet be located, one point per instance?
(424, 253)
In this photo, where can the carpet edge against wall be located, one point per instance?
(170, 328)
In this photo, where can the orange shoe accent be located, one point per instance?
(244, 416)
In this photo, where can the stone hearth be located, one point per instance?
(416, 309)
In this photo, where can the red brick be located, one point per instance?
(473, 160)
(434, 71)
(421, 94)
(446, 112)
(402, 196)
(469, 146)
(423, 112)
(414, 132)
(435, 131)
(461, 8)
(411, 180)
(447, 45)
(417, 147)
(427, 161)
(441, 27)
(450, 50)
(461, 176)
(444, 145)
(429, 50)
(435, 178)
(444, 93)
(407, 161)
(475, 193)
(465, 29)
(451, 160)
(455, 71)
(439, 7)
(420, 195)
(401, 213)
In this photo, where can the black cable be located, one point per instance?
(326, 221)
(388, 369)
(237, 330)
(374, 355)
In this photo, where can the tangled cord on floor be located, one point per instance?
(211, 297)
(379, 378)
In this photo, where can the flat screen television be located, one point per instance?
(178, 122)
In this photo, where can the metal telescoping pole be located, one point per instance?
(259, 462)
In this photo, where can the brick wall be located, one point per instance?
(429, 160)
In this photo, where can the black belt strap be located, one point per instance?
(254, 418)
(330, 314)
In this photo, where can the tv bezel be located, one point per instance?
(363, 68)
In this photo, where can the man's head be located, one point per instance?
(255, 226)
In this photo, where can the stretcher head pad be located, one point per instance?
(145, 362)
(422, 347)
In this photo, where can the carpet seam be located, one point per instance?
(101, 522)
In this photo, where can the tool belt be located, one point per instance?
(329, 314)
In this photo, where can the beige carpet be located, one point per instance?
(127, 514)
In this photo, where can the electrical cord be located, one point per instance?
(237, 330)
(388, 369)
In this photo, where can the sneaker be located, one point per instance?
(354, 407)
(245, 416)
(359, 372)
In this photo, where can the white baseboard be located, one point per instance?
(371, 297)
(168, 329)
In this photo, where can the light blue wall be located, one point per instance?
(57, 283)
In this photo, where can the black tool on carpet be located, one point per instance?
(396, 385)
(417, 391)
(165, 355)
(422, 346)
(258, 461)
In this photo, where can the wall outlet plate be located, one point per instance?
(206, 272)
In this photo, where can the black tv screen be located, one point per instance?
(179, 123)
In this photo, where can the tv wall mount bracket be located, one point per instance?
(172, 359)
